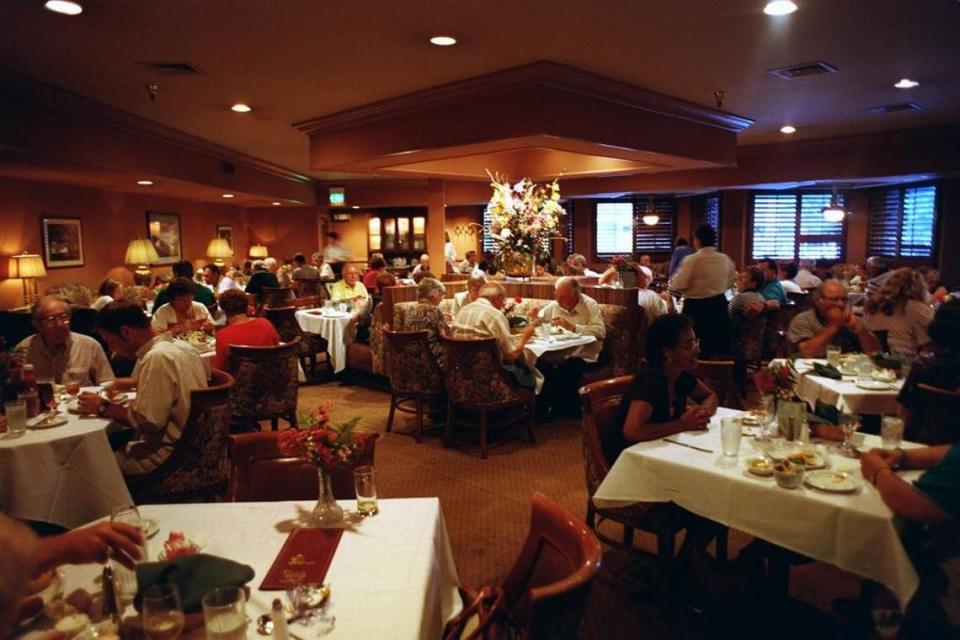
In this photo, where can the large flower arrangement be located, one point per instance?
(524, 215)
(330, 446)
(778, 379)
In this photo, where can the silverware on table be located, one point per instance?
(689, 446)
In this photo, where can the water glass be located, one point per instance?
(891, 432)
(849, 423)
(864, 366)
(833, 356)
(125, 580)
(162, 612)
(731, 429)
(225, 613)
(365, 482)
(16, 411)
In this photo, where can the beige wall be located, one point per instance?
(459, 224)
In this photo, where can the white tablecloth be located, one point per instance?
(852, 531)
(558, 349)
(63, 475)
(844, 394)
(337, 329)
(392, 576)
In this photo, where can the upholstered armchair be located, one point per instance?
(415, 375)
(266, 383)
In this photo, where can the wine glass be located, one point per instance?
(125, 579)
(849, 423)
(162, 612)
(72, 381)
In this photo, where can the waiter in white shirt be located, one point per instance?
(703, 278)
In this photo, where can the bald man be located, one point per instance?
(830, 322)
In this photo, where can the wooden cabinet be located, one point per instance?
(399, 234)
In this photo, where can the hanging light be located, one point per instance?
(650, 216)
(834, 212)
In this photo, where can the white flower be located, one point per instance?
(505, 234)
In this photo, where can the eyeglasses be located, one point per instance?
(693, 344)
(834, 298)
(62, 318)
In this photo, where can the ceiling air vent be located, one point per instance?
(172, 68)
(894, 108)
(803, 70)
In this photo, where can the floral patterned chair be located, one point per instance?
(415, 376)
(478, 384)
(196, 468)
(266, 383)
(284, 320)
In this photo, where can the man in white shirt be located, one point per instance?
(422, 267)
(474, 284)
(788, 274)
(484, 318)
(55, 351)
(449, 254)
(655, 304)
(704, 278)
(167, 370)
(216, 280)
(469, 263)
(805, 278)
(335, 254)
(579, 313)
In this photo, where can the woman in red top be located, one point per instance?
(377, 266)
(241, 329)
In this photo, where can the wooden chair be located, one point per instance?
(276, 296)
(718, 375)
(284, 320)
(307, 302)
(546, 591)
(477, 383)
(477, 620)
(783, 347)
(415, 376)
(936, 418)
(266, 383)
(196, 466)
(260, 472)
(801, 300)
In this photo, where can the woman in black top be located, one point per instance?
(665, 397)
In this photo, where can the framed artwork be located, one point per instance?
(62, 242)
(163, 229)
(225, 232)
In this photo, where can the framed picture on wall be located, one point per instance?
(225, 232)
(62, 242)
(163, 229)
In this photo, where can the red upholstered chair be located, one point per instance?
(415, 376)
(260, 472)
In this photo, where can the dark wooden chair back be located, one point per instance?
(284, 320)
(936, 418)
(309, 287)
(718, 375)
(600, 402)
(801, 300)
(546, 591)
(260, 472)
(276, 296)
(307, 302)
(479, 616)
(412, 368)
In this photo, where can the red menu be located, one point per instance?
(304, 559)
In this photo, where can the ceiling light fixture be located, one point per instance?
(145, 183)
(650, 217)
(788, 129)
(779, 8)
(834, 212)
(227, 196)
(241, 108)
(66, 7)
(443, 41)
(276, 204)
(906, 83)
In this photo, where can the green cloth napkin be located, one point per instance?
(194, 576)
(824, 413)
(827, 371)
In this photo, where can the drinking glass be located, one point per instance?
(125, 580)
(225, 613)
(891, 432)
(45, 391)
(864, 366)
(16, 411)
(162, 612)
(730, 432)
(72, 381)
(849, 423)
(833, 356)
(365, 481)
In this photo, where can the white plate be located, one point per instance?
(566, 336)
(873, 385)
(833, 481)
(44, 421)
(883, 377)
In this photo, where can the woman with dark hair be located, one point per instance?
(900, 310)
(182, 315)
(241, 329)
(665, 397)
(109, 290)
(377, 266)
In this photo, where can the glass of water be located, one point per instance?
(225, 613)
(849, 423)
(125, 580)
(365, 482)
(731, 429)
(833, 356)
(891, 432)
(16, 411)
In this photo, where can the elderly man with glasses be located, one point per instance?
(54, 351)
(830, 322)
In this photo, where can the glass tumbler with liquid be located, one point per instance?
(365, 482)
(162, 612)
(125, 580)
(225, 613)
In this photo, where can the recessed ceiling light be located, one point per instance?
(276, 204)
(356, 206)
(66, 7)
(227, 195)
(906, 83)
(779, 8)
(241, 108)
(145, 183)
(788, 128)
(443, 41)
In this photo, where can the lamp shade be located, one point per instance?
(219, 248)
(259, 251)
(141, 252)
(29, 265)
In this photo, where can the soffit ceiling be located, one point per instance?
(300, 59)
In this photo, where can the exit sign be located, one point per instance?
(337, 197)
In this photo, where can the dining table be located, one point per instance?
(847, 395)
(854, 530)
(64, 475)
(335, 326)
(392, 574)
(559, 347)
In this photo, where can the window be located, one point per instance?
(787, 226)
(620, 229)
(903, 222)
(656, 238)
(566, 223)
(489, 244)
(614, 232)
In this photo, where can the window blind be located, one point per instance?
(787, 226)
(656, 238)
(819, 238)
(903, 222)
(614, 228)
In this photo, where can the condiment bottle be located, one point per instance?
(279, 618)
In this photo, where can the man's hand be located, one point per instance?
(88, 402)
(836, 317)
(93, 544)
(694, 418)
(560, 322)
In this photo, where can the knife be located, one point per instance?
(689, 446)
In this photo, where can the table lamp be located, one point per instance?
(141, 252)
(218, 249)
(27, 266)
(259, 251)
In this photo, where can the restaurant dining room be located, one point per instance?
(479, 320)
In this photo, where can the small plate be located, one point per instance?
(881, 376)
(47, 421)
(810, 459)
(760, 467)
(833, 481)
(873, 385)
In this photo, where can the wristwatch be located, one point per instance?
(102, 409)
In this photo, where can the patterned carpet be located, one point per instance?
(486, 506)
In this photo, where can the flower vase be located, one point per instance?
(517, 264)
(791, 415)
(327, 511)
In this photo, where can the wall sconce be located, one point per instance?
(419, 226)
(373, 228)
(259, 251)
(218, 249)
(28, 266)
(141, 252)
